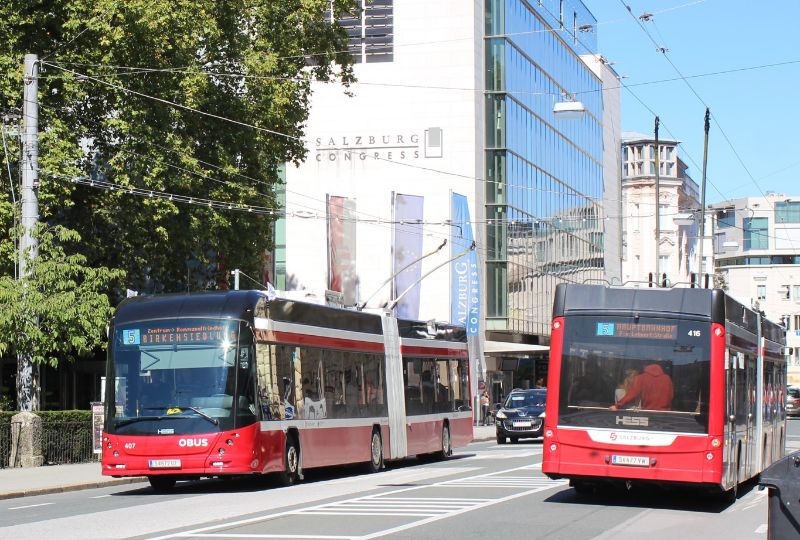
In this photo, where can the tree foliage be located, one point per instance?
(101, 57)
(246, 64)
(58, 313)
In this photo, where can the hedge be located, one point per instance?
(49, 417)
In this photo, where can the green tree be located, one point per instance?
(201, 99)
(246, 64)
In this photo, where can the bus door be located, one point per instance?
(731, 443)
(753, 444)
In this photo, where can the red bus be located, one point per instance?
(239, 383)
(666, 386)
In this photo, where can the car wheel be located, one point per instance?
(161, 483)
(447, 443)
(375, 463)
(501, 440)
(291, 462)
(514, 440)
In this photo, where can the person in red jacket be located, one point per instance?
(653, 387)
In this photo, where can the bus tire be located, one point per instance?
(161, 483)
(375, 462)
(291, 462)
(447, 443)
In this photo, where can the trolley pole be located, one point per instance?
(703, 204)
(27, 372)
(658, 209)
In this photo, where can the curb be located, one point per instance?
(71, 487)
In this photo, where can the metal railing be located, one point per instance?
(67, 442)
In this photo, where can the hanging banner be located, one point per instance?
(342, 247)
(407, 247)
(465, 293)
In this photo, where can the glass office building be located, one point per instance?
(544, 175)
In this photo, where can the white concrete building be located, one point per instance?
(757, 252)
(676, 255)
(454, 103)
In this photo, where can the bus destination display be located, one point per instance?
(637, 330)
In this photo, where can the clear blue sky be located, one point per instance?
(757, 109)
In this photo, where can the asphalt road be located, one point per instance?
(485, 491)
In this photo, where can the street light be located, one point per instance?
(568, 110)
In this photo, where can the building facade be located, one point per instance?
(450, 135)
(674, 252)
(757, 256)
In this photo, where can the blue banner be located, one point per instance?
(465, 293)
(408, 209)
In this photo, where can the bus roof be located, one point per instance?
(246, 305)
(712, 304)
(705, 303)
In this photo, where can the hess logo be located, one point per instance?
(633, 421)
(192, 443)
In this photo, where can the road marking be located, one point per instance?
(204, 531)
(29, 506)
(762, 529)
(100, 496)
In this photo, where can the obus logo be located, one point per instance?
(190, 443)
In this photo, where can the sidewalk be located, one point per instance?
(60, 478)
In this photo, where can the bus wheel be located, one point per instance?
(447, 443)
(375, 463)
(291, 462)
(161, 483)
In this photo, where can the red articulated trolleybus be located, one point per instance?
(663, 386)
(241, 383)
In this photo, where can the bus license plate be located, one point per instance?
(164, 463)
(636, 461)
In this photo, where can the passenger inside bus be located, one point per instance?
(625, 386)
(653, 387)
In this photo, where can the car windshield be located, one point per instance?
(793, 392)
(180, 376)
(525, 399)
(658, 367)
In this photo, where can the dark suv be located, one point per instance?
(792, 401)
(521, 416)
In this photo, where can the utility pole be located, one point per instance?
(658, 209)
(27, 372)
(703, 203)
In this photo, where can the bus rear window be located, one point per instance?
(657, 367)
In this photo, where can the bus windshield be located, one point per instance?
(178, 376)
(635, 373)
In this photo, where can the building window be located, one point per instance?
(783, 292)
(663, 264)
(726, 218)
(371, 31)
(761, 292)
(796, 293)
(756, 233)
(665, 217)
(797, 326)
(787, 212)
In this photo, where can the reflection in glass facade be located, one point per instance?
(544, 176)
